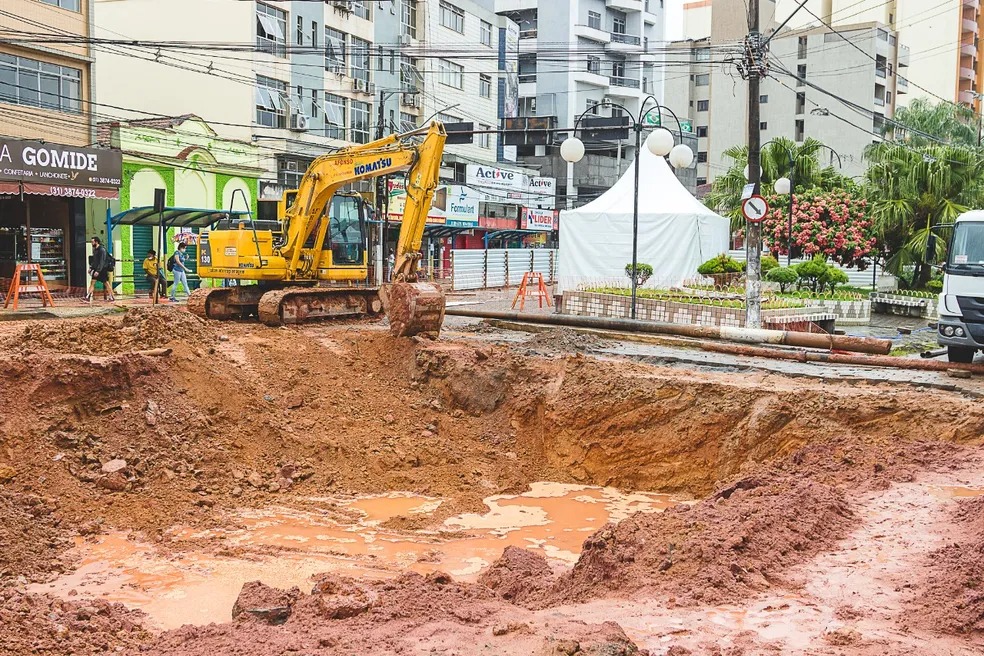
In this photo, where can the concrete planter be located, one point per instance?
(849, 313)
(591, 304)
(904, 305)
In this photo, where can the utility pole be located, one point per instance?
(379, 256)
(754, 65)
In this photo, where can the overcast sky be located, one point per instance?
(674, 19)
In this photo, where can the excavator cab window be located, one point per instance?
(347, 229)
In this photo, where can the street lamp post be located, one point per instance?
(659, 142)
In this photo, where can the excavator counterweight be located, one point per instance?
(314, 264)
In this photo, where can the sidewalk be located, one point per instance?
(73, 308)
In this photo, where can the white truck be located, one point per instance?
(961, 308)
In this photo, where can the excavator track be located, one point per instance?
(300, 304)
(224, 303)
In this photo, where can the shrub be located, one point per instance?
(643, 273)
(813, 274)
(836, 277)
(768, 264)
(720, 264)
(785, 276)
(935, 286)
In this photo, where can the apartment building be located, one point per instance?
(573, 57)
(945, 37)
(49, 177)
(860, 81)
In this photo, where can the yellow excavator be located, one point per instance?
(314, 264)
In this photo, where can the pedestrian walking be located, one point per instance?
(101, 263)
(390, 262)
(177, 265)
(155, 274)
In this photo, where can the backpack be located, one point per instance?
(170, 263)
(110, 262)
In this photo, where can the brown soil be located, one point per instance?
(951, 595)
(241, 415)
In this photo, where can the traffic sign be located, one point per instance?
(755, 208)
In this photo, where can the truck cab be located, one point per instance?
(961, 307)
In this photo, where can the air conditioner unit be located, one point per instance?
(409, 100)
(358, 85)
(370, 88)
(299, 122)
(343, 6)
(404, 40)
(291, 165)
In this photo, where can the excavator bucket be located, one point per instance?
(413, 308)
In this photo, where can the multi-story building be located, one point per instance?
(945, 64)
(46, 124)
(576, 55)
(820, 86)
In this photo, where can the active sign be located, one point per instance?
(754, 208)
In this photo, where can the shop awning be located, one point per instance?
(505, 234)
(172, 217)
(434, 230)
(39, 189)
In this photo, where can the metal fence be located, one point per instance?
(500, 267)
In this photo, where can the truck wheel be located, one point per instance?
(960, 354)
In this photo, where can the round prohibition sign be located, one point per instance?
(755, 208)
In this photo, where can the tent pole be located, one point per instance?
(635, 216)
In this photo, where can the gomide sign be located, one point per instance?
(56, 170)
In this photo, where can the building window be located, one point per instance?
(764, 99)
(314, 103)
(71, 5)
(800, 74)
(486, 34)
(361, 50)
(800, 129)
(618, 68)
(594, 65)
(33, 83)
(801, 47)
(702, 54)
(300, 30)
(271, 30)
(594, 20)
(701, 181)
(701, 130)
(888, 98)
(763, 125)
(314, 34)
(334, 50)
(702, 80)
(451, 74)
(335, 116)
(702, 157)
(453, 17)
(408, 122)
(527, 106)
(618, 22)
(591, 106)
(703, 105)
(360, 121)
(409, 21)
(361, 9)
(410, 77)
(484, 138)
(379, 58)
(271, 102)
(485, 86)
(448, 118)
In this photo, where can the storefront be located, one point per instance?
(44, 189)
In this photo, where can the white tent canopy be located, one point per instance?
(676, 231)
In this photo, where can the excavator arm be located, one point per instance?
(412, 307)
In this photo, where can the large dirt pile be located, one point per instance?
(951, 597)
(32, 537)
(133, 330)
(39, 624)
(736, 542)
(412, 614)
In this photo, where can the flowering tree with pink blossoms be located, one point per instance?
(833, 224)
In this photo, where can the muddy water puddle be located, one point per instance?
(286, 547)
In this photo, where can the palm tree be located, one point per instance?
(725, 195)
(922, 123)
(910, 191)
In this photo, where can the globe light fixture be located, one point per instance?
(572, 150)
(681, 157)
(782, 186)
(746, 169)
(660, 142)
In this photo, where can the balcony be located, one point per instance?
(623, 87)
(527, 78)
(967, 97)
(622, 5)
(879, 102)
(625, 43)
(592, 78)
(973, 4)
(511, 6)
(903, 56)
(527, 34)
(527, 89)
(968, 50)
(967, 73)
(628, 82)
(969, 26)
(902, 86)
(592, 33)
